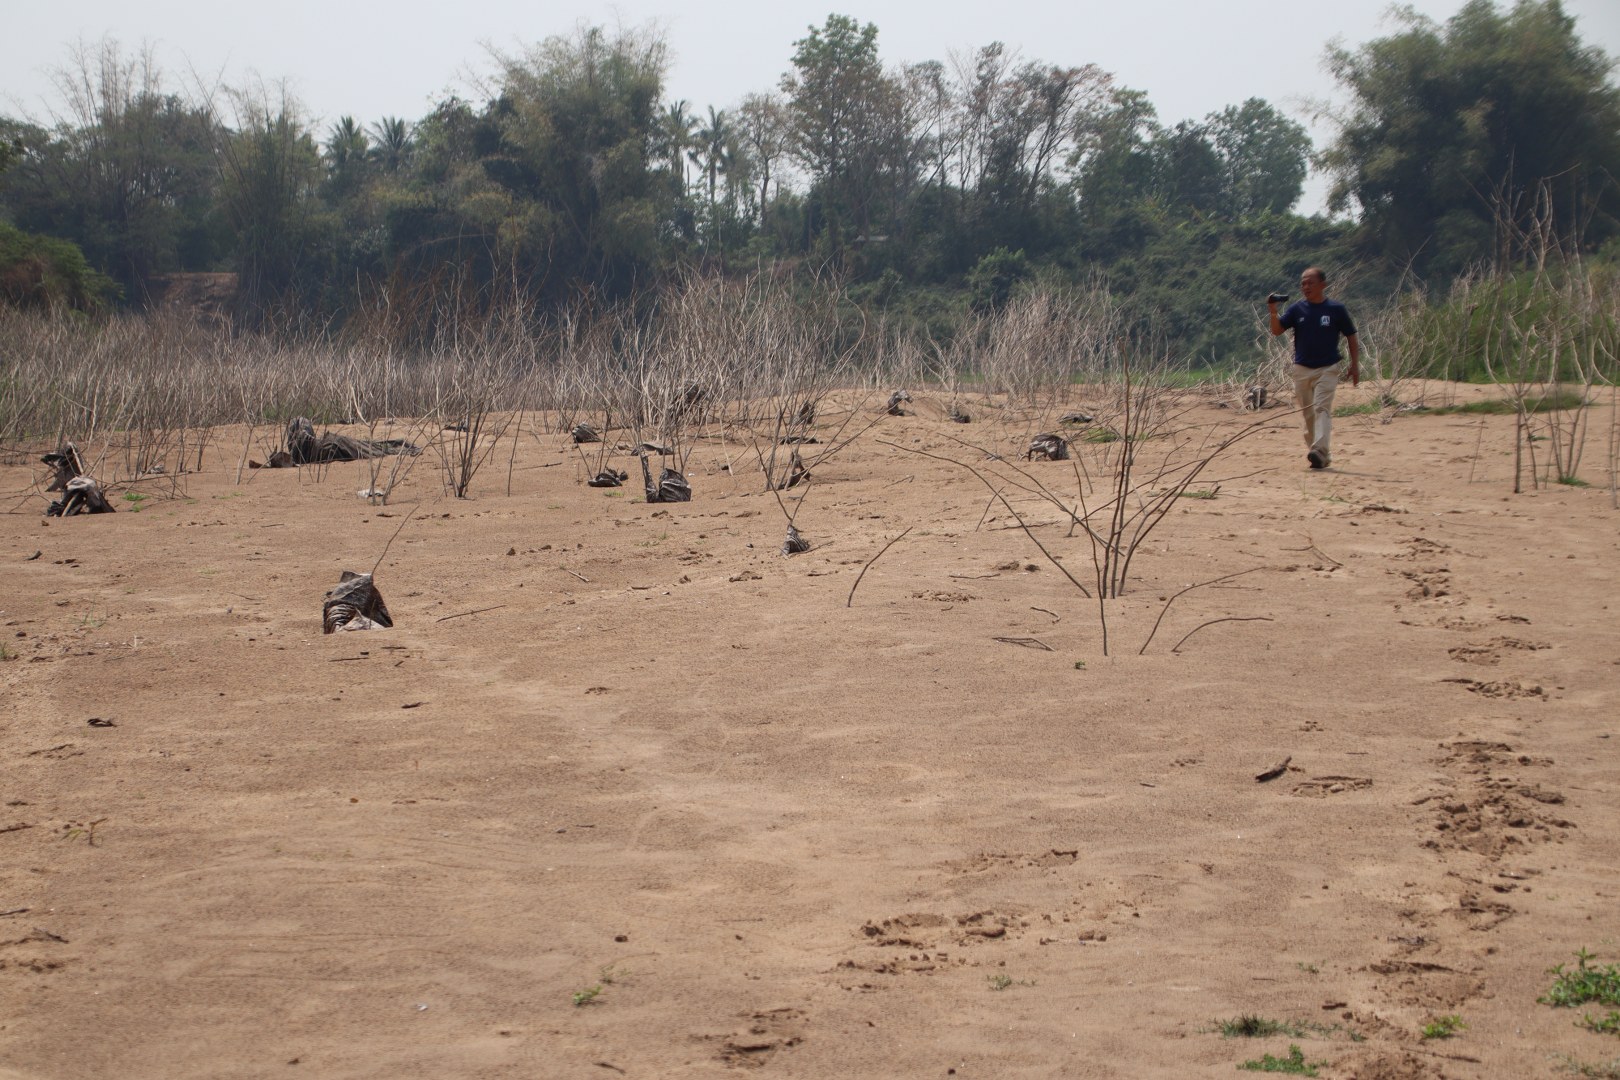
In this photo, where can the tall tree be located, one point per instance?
(124, 169)
(573, 135)
(270, 168)
(844, 110)
(1451, 128)
(1263, 157)
(762, 127)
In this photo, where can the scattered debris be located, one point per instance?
(304, 447)
(355, 604)
(957, 416)
(794, 544)
(608, 478)
(101, 721)
(1254, 399)
(1047, 447)
(797, 473)
(671, 486)
(895, 399)
(584, 433)
(1076, 418)
(652, 448)
(83, 497)
(80, 494)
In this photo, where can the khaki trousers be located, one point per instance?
(1313, 391)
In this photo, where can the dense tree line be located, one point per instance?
(931, 188)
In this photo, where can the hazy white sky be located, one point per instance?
(371, 59)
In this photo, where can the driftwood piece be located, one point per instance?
(584, 433)
(651, 448)
(794, 544)
(354, 604)
(608, 478)
(1047, 447)
(895, 399)
(957, 416)
(1076, 418)
(304, 447)
(1274, 772)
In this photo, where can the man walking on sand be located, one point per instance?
(1317, 323)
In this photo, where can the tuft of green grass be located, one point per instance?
(586, 996)
(1560, 401)
(1443, 1027)
(1588, 984)
(1255, 1027)
(1294, 1063)
(1571, 480)
(135, 499)
(1556, 402)
(1206, 493)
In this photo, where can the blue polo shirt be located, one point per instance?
(1317, 328)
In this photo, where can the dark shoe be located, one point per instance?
(1317, 459)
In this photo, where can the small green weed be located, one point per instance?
(1599, 1070)
(586, 996)
(1573, 481)
(1309, 969)
(6, 654)
(1443, 1027)
(1361, 408)
(1004, 982)
(1208, 493)
(1587, 984)
(1079, 665)
(1294, 1063)
(135, 499)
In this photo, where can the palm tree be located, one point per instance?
(711, 148)
(676, 127)
(346, 145)
(395, 141)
